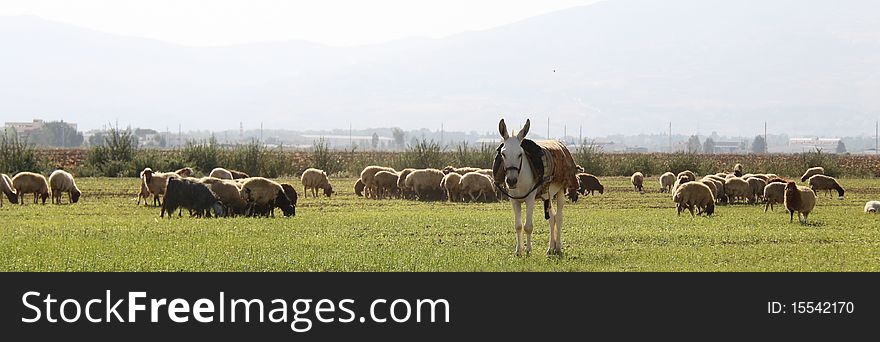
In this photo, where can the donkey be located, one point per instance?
(522, 186)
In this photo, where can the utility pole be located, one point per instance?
(877, 138)
(350, 142)
(564, 132)
(581, 135)
(179, 134)
(670, 137)
(766, 144)
(261, 131)
(441, 133)
(548, 127)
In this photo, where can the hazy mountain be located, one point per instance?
(621, 66)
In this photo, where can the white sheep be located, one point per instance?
(221, 173)
(229, 193)
(872, 207)
(61, 181)
(7, 189)
(638, 180)
(451, 183)
(697, 195)
(386, 183)
(476, 183)
(737, 188)
(367, 176)
(757, 188)
(31, 183)
(315, 179)
(425, 183)
(263, 195)
(157, 182)
(666, 181)
(774, 193)
(405, 192)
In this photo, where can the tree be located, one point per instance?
(709, 146)
(375, 140)
(841, 147)
(58, 134)
(759, 145)
(399, 137)
(694, 144)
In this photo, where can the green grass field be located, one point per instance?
(618, 231)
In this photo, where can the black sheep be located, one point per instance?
(192, 195)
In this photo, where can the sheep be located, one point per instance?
(405, 192)
(799, 199)
(184, 172)
(737, 188)
(291, 194)
(219, 172)
(229, 193)
(238, 174)
(712, 187)
(774, 193)
(460, 170)
(757, 188)
(690, 174)
(678, 182)
(478, 183)
(720, 196)
(589, 183)
(637, 180)
(367, 175)
(315, 179)
(193, 195)
(451, 183)
(8, 189)
(823, 182)
(144, 193)
(666, 181)
(812, 172)
(31, 183)
(386, 184)
(486, 172)
(572, 195)
(695, 194)
(738, 170)
(260, 192)
(872, 207)
(359, 188)
(61, 181)
(777, 179)
(425, 183)
(764, 178)
(156, 183)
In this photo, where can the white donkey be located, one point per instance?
(522, 186)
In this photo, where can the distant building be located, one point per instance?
(25, 129)
(729, 147)
(814, 144)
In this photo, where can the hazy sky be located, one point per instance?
(331, 22)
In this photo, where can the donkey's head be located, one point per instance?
(512, 152)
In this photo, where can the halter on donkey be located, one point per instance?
(531, 170)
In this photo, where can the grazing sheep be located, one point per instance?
(678, 182)
(774, 193)
(666, 181)
(460, 170)
(451, 183)
(690, 175)
(737, 188)
(572, 195)
(219, 172)
(291, 194)
(476, 183)
(757, 186)
(184, 172)
(764, 178)
(486, 172)
(367, 176)
(812, 172)
(61, 181)
(359, 187)
(738, 170)
(426, 183)
(799, 199)
(8, 189)
(776, 179)
(405, 193)
(238, 174)
(156, 183)
(720, 196)
(263, 195)
(386, 184)
(637, 180)
(823, 182)
(316, 179)
(872, 207)
(31, 183)
(589, 183)
(712, 187)
(193, 195)
(692, 195)
(144, 193)
(229, 193)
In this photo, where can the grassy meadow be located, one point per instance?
(621, 230)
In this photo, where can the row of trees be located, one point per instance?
(759, 145)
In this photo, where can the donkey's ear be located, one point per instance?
(502, 128)
(525, 130)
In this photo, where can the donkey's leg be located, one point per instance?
(517, 224)
(560, 200)
(551, 244)
(529, 227)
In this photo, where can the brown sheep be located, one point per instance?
(757, 188)
(774, 193)
(405, 192)
(799, 199)
(823, 182)
(459, 170)
(31, 183)
(7, 189)
(638, 180)
(367, 176)
(589, 183)
(359, 187)
(386, 184)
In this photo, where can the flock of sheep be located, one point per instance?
(453, 184)
(724, 187)
(24, 183)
